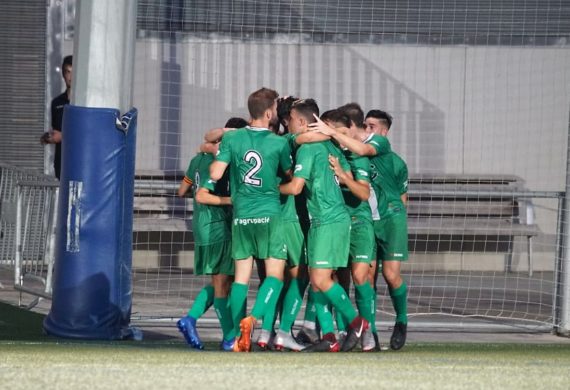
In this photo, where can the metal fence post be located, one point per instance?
(563, 328)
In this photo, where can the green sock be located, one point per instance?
(341, 302)
(340, 321)
(238, 297)
(365, 301)
(292, 303)
(270, 315)
(266, 297)
(374, 300)
(400, 301)
(323, 313)
(202, 303)
(311, 310)
(225, 317)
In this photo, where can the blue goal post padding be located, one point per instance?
(92, 292)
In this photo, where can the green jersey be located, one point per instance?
(255, 156)
(360, 168)
(324, 196)
(209, 223)
(288, 210)
(389, 178)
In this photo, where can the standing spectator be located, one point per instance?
(54, 136)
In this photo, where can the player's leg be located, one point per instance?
(222, 285)
(205, 298)
(396, 251)
(292, 302)
(373, 279)
(328, 251)
(309, 332)
(362, 246)
(269, 244)
(267, 334)
(329, 342)
(238, 292)
(342, 277)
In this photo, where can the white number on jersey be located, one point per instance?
(196, 181)
(252, 157)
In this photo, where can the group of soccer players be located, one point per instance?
(320, 205)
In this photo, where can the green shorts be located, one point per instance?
(213, 259)
(259, 237)
(392, 237)
(328, 245)
(362, 244)
(295, 241)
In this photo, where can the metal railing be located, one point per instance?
(27, 229)
(35, 237)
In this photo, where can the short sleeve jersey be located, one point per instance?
(209, 223)
(389, 181)
(255, 156)
(324, 196)
(360, 168)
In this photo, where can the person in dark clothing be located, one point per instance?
(54, 136)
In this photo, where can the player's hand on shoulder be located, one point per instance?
(321, 127)
(334, 164)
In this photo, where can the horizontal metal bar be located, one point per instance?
(156, 185)
(32, 292)
(41, 182)
(489, 194)
(169, 185)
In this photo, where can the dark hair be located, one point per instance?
(284, 107)
(67, 60)
(306, 107)
(382, 116)
(336, 116)
(260, 101)
(236, 123)
(355, 113)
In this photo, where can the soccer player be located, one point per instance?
(389, 182)
(210, 224)
(356, 191)
(255, 155)
(330, 225)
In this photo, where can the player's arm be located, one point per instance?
(184, 186)
(294, 187)
(310, 137)
(404, 198)
(360, 188)
(217, 169)
(204, 196)
(209, 147)
(350, 143)
(215, 135)
(223, 158)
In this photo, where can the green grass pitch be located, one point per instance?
(29, 360)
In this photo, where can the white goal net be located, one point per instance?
(480, 95)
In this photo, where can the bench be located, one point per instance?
(469, 213)
(161, 220)
(446, 213)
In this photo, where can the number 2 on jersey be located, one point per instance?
(252, 157)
